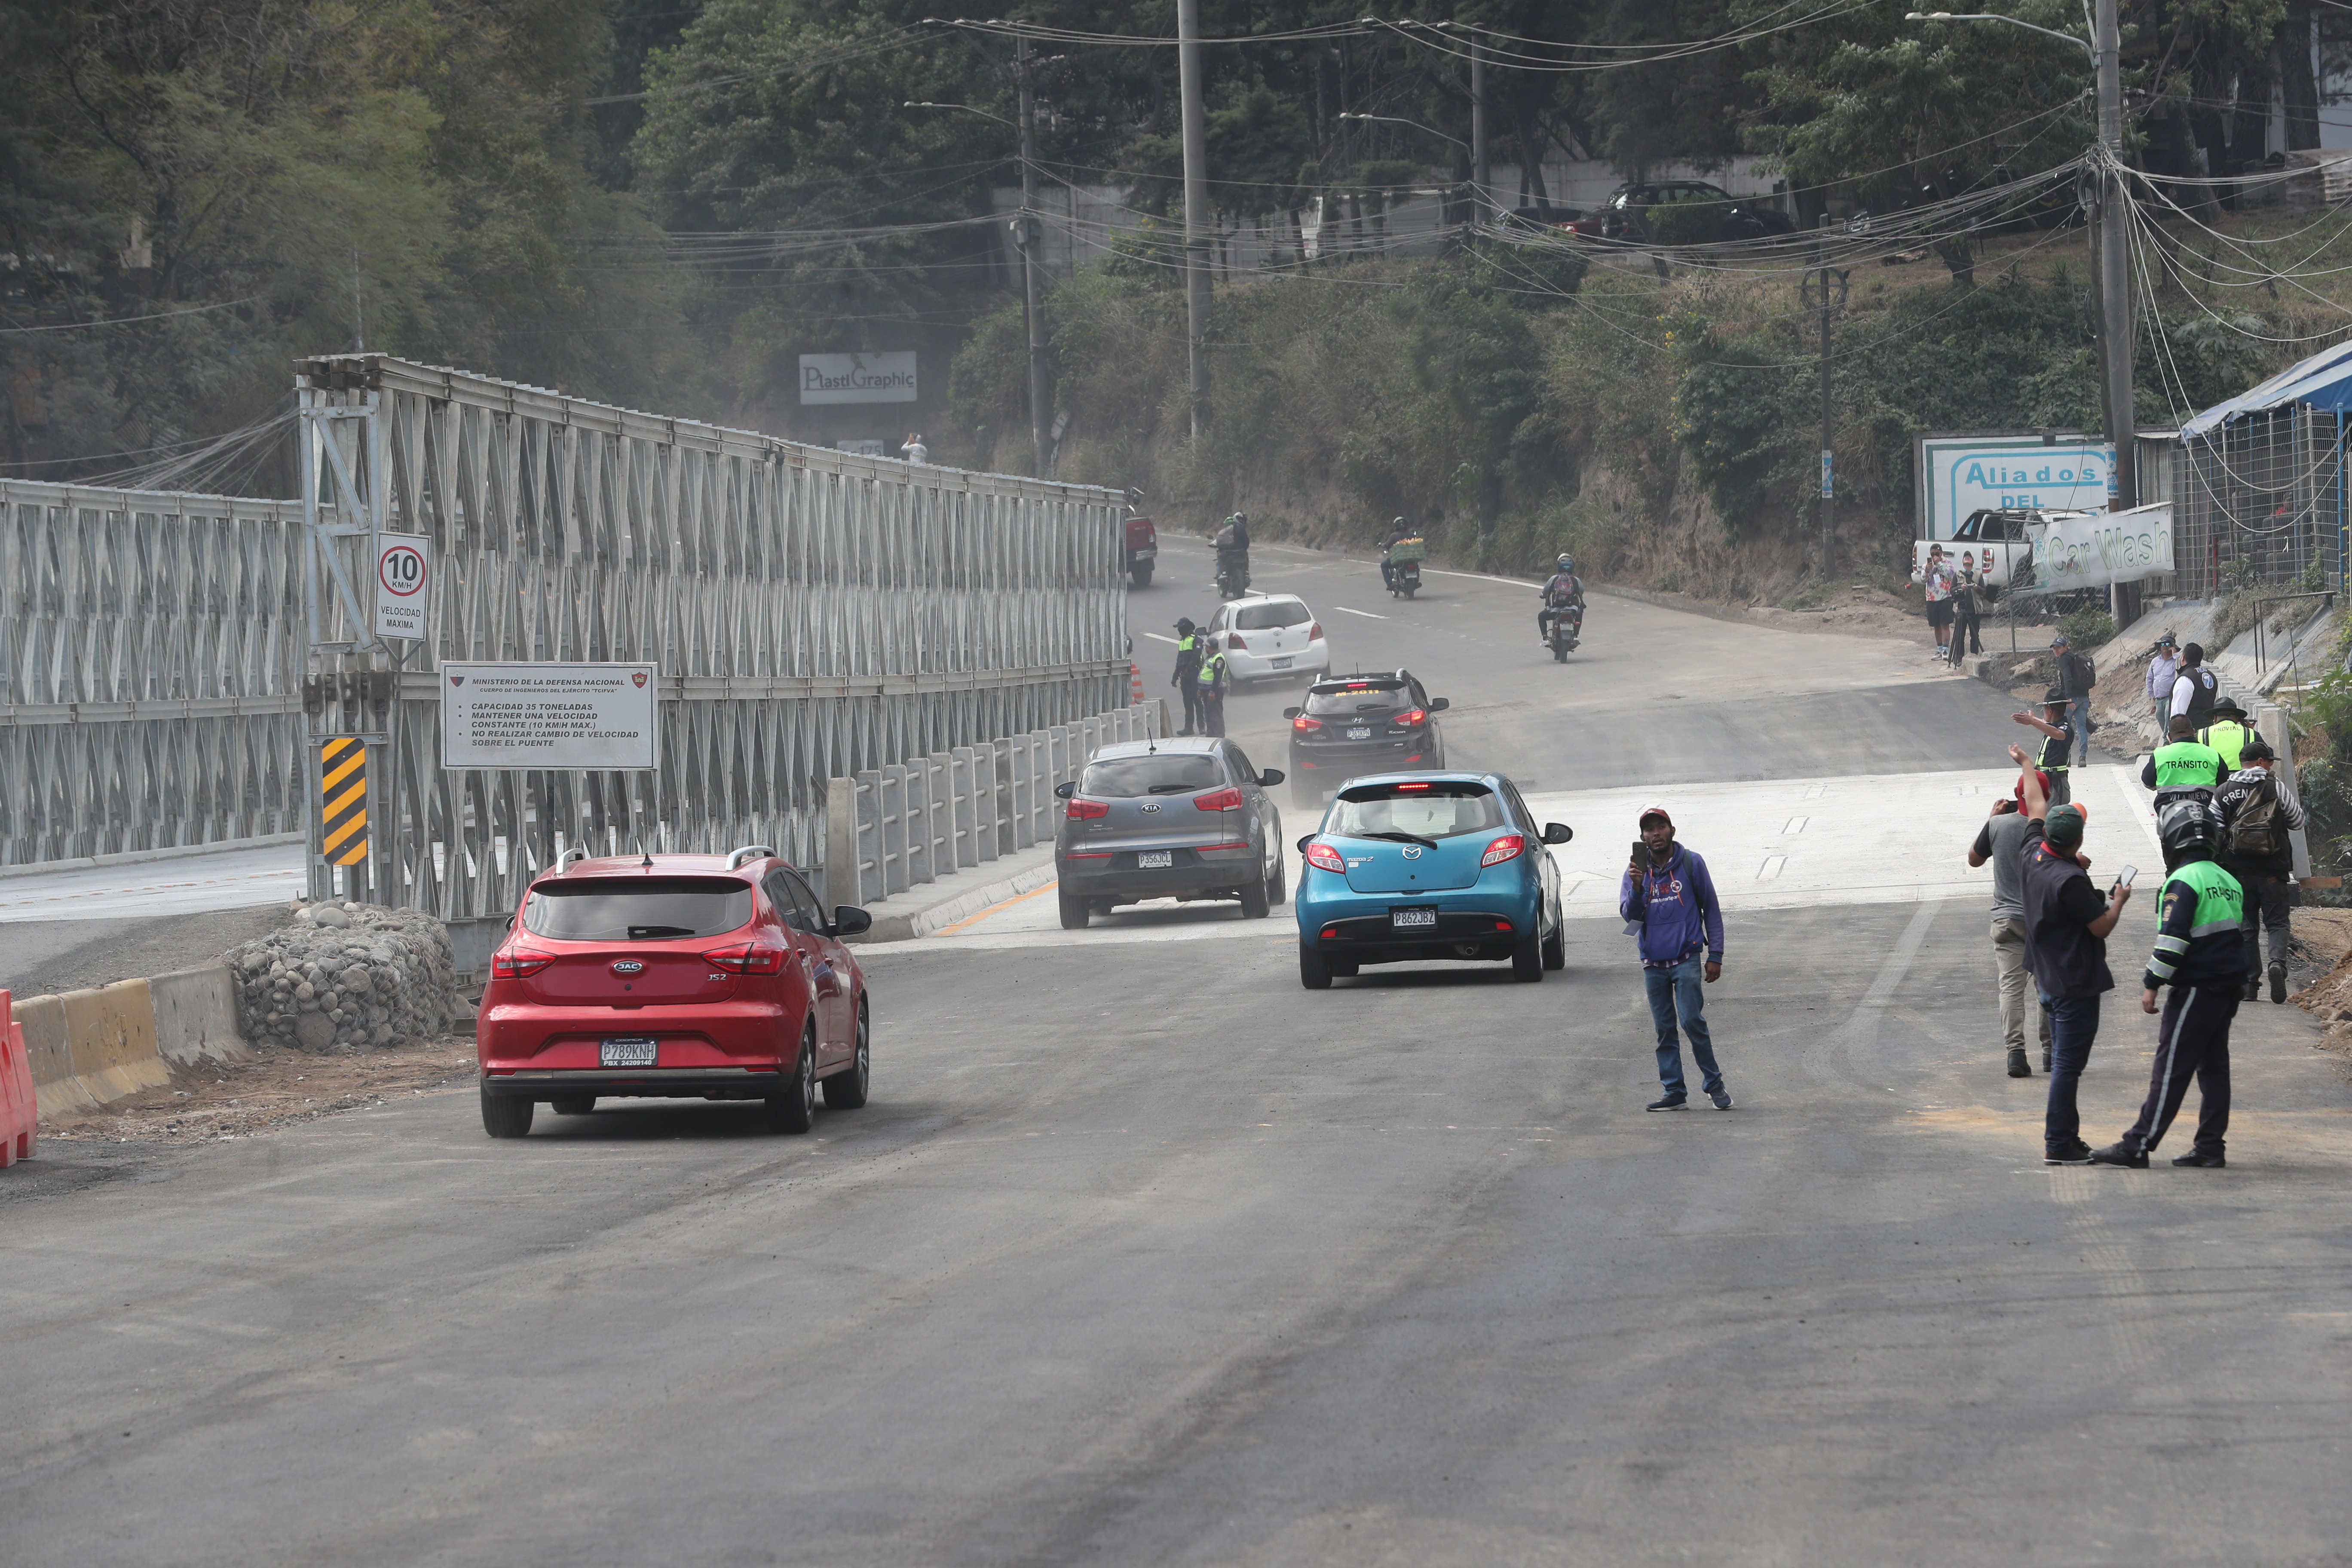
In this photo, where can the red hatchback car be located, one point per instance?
(678, 977)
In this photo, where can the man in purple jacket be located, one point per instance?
(1669, 898)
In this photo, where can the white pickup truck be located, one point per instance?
(2000, 544)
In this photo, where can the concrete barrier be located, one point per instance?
(196, 1015)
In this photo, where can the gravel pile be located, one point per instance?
(347, 977)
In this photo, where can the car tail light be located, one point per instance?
(1509, 846)
(516, 962)
(1225, 799)
(1322, 855)
(1234, 640)
(1315, 631)
(1304, 722)
(1083, 809)
(749, 958)
(1413, 716)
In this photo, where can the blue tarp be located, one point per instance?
(2323, 382)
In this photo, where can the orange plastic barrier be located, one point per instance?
(18, 1110)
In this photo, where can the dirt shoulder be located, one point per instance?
(273, 1089)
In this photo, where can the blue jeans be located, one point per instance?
(1672, 989)
(2080, 711)
(2073, 1025)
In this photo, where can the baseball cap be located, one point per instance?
(2064, 827)
(1657, 811)
(2255, 748)
(2039, 777)
(2059, 641)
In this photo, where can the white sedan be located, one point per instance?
(1270, 637)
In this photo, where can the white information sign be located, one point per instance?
(858, 378)
(2104, 547)
(404, 576)
(549, 715)
(1961, 474)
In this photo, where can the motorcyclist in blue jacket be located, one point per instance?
(1563, 593)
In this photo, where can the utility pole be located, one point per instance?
(1031, 232)
(1196, 204)
(1831, 282)
(2115, 279)
(1481, 172)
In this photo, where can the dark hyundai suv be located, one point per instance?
(1356, 724)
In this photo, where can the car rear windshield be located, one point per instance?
(1274, 612)
(1384, 698)
(633, 910)
(1437, 809)
(1167, 773)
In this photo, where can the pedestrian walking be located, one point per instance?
(2076, 675)
(1209, 683)
(2256, 816)
(2199, 958)
(2182, 765)
(1967, 605)
(2057, 746)
(2195, 688)
(2163, 669)
(1186, 680)
(2067, 927)
(1938, 581)
(2227, 734)
(1668, 900)
(2000, 843)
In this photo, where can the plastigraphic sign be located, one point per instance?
(1960, 474)
(858, 378)
(601, 716)
(2106, 547)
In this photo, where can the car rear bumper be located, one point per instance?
(726, 1039)
(638, 1083)
(1315, 656)
(1332, 764)
(1210, 872)
(1491, 917)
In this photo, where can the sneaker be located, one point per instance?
(2116, 1155)
(2253, 991)
(2278, 983)
(2017, 1063)
(1722, 1098)
(1671, 1102)
(2206, 1162)
(2074, 1154)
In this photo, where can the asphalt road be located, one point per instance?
(1144, 1254)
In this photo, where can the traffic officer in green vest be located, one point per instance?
(1187, 680)
(1209, 684)
(2057, 743)
(2199, 955)
(2228, 733)
(2182, 765)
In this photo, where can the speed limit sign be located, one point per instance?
(404, 571)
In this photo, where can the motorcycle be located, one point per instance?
(1233, 574)
(1567, 627)
(1402, 570)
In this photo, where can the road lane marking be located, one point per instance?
(1366, 614)
(1015, 899)
(1795, 825)
(1772, 864)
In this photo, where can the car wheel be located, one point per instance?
(1255, 904)
(1555, 948)
(1527, 960)
(504, 1116)
(794, 1111)
(846, 1090)
(1074, 912)
(1314, 968)
(572, 1104)
(1140, 574)
(1278, 886)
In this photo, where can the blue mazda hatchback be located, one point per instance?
(1411, 866)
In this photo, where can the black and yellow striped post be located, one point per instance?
(342, 799)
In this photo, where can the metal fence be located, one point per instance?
(813, 614)
(2262, 500)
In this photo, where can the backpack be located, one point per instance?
(2255, 828)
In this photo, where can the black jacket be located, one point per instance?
(2076, 675)
(2061, 903)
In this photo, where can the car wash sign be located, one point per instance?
(2104, 547)
(1958, 474)
(857, 378)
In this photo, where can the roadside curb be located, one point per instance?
(1755, 616)
(922, 922)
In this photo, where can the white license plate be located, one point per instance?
(1283, 663)
(1154, 859)
(1400, 919)
(633, 1052)
(1360, 735)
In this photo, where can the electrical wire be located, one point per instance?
(125, 321)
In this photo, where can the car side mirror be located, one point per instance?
(1438, 705)
(848, 920)
(1064, 791)
(1558, 833)
(1304, 840)
(510, 922)
(1271, 777)
(1292, 712)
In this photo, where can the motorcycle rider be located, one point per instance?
(1233, 552)
(1399, 532)
(1563, 591)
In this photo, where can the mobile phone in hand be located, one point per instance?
(2123, 877)
(1640, 852)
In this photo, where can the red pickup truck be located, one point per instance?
(1142, 549)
